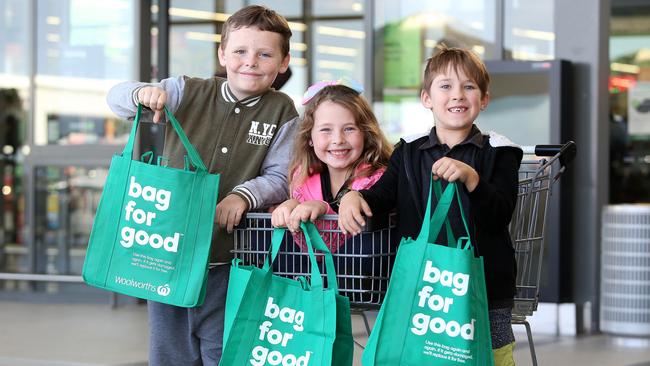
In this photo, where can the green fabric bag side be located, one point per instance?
(245, 342)
(238, 280)
(146, 241)
(93, 272)
(343, 348)
(404, 323)
(404, 262)
(242, 336)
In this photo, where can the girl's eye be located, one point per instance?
(445, 86)
(350, 129)
(324, 130)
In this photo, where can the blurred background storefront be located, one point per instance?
(556, 67)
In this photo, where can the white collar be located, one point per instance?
(231, 98)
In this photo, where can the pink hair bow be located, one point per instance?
(345, 81)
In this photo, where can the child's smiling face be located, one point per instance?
(454, 99)
(252, 58)
(336, 138)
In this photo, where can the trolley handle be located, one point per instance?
(263, 221)
(566, 152)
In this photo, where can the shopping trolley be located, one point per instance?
(363, 262)
(540, 169)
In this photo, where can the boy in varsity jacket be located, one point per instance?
(244, 131)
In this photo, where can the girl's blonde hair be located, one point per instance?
(376, 148)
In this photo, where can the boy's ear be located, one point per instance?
(285, 63)
(222, 56)
(485, 100)
(425, 98)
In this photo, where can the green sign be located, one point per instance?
(402, 56)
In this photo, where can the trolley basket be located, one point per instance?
(540, 170)
(363, 262)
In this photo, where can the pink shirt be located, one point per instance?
(311, 189)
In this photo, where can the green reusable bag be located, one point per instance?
(435, 310)
(276, 320)
(152, 232)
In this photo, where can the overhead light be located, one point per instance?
(14, 81)
(534, 34)
(298, 61)
(532, 56)
(425, 20)
(642, 55)
(430, 43)
(216, 38)
(298, 46)
(200, 36)
(51, 20)
(340, 32)
(479, 49)
(198, 14)
(53, 37)
(338, 51)
(210, 15)
(74, 83)
(298, 27)
(477, 25)
(336, 65)
(356, 6)
(630, 69)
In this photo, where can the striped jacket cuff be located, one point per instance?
(246, 194)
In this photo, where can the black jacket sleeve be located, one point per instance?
(382, 196)
(493, 201)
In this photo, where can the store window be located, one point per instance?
(338, 49)
(14, 39)
(15, 57)
(14, 75)
(406, 33)
(83, 48)
(196, 35)
(528, 30)
(67, 197)
(66, 200)
(193, 50)
(629, 90)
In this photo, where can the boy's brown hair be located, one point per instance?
(376, 148)
(458, 59)
(259, 17)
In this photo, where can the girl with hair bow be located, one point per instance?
(339, 147)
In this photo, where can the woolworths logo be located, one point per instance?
(163, 290)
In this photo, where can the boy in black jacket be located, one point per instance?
(455, 89)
